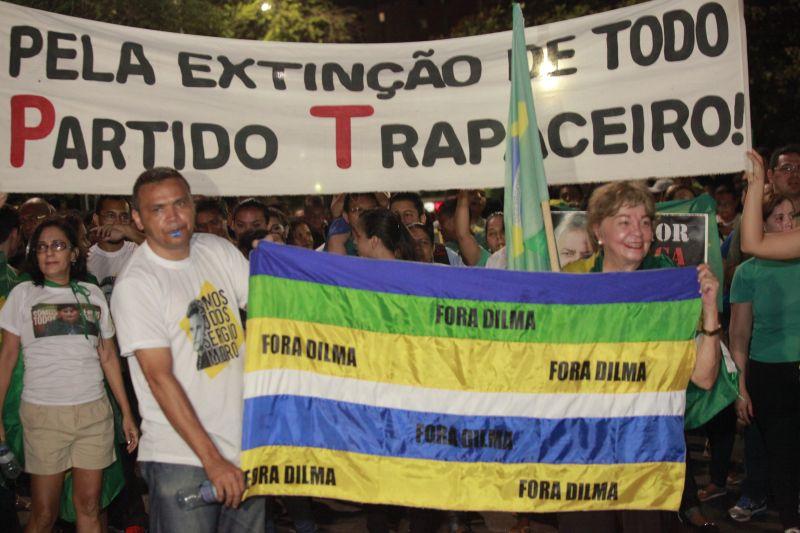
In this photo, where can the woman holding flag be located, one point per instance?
(620, 223)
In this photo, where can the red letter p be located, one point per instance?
(20, 132)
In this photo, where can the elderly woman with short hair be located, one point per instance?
(620, 222)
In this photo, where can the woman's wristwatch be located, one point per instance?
(711, 333)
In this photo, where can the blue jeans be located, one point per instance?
(163, 482)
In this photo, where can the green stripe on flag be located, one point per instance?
(379, 312)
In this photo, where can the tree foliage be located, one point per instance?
(286, 20)
(200, 17)
(314, 21)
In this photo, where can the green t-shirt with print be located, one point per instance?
(773, 288)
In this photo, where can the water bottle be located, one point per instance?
(197, 496)
(9, 465)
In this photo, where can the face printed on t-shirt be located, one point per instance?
(214, 329)
(64, 319)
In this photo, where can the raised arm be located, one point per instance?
(777, 246)
(467, 244)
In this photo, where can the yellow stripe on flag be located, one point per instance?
(284, 470)
(448, 363)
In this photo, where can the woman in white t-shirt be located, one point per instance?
(65, 331)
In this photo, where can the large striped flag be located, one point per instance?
(526, 186)
(428, 386)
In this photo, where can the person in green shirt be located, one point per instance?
(765, 341)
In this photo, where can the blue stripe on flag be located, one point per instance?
(403, 277)
(321, 423)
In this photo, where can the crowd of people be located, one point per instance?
(136, 276)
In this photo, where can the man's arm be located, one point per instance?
(228, 480)
(467, 244)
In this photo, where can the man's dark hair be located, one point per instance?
(211, 205)
(252, 203)
(348, 198)
(273, 212)
(314, 200)
(98, 205)
(9, 220)
(786, 149)
(427, 228)
(723, 189)
(412, 197)
(77, 270)
(155, 175)
(447, 208)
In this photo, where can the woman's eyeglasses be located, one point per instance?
(56, 246)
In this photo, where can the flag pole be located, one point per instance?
(551, 237)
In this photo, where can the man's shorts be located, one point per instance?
(59, 437)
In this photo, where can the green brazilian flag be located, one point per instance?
(525, 183)
(113, 478)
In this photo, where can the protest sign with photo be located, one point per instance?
(655, 89)
(683, 237)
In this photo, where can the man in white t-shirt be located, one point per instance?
(116, 240)
(189, 389)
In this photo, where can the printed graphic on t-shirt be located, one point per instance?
(213, 328)
(65, 319)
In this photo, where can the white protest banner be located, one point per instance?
(656, 89)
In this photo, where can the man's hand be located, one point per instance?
(116, 232)
(3, 198)
(228, 480)
(109, 232)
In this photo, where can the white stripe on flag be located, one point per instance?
(554, 406)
